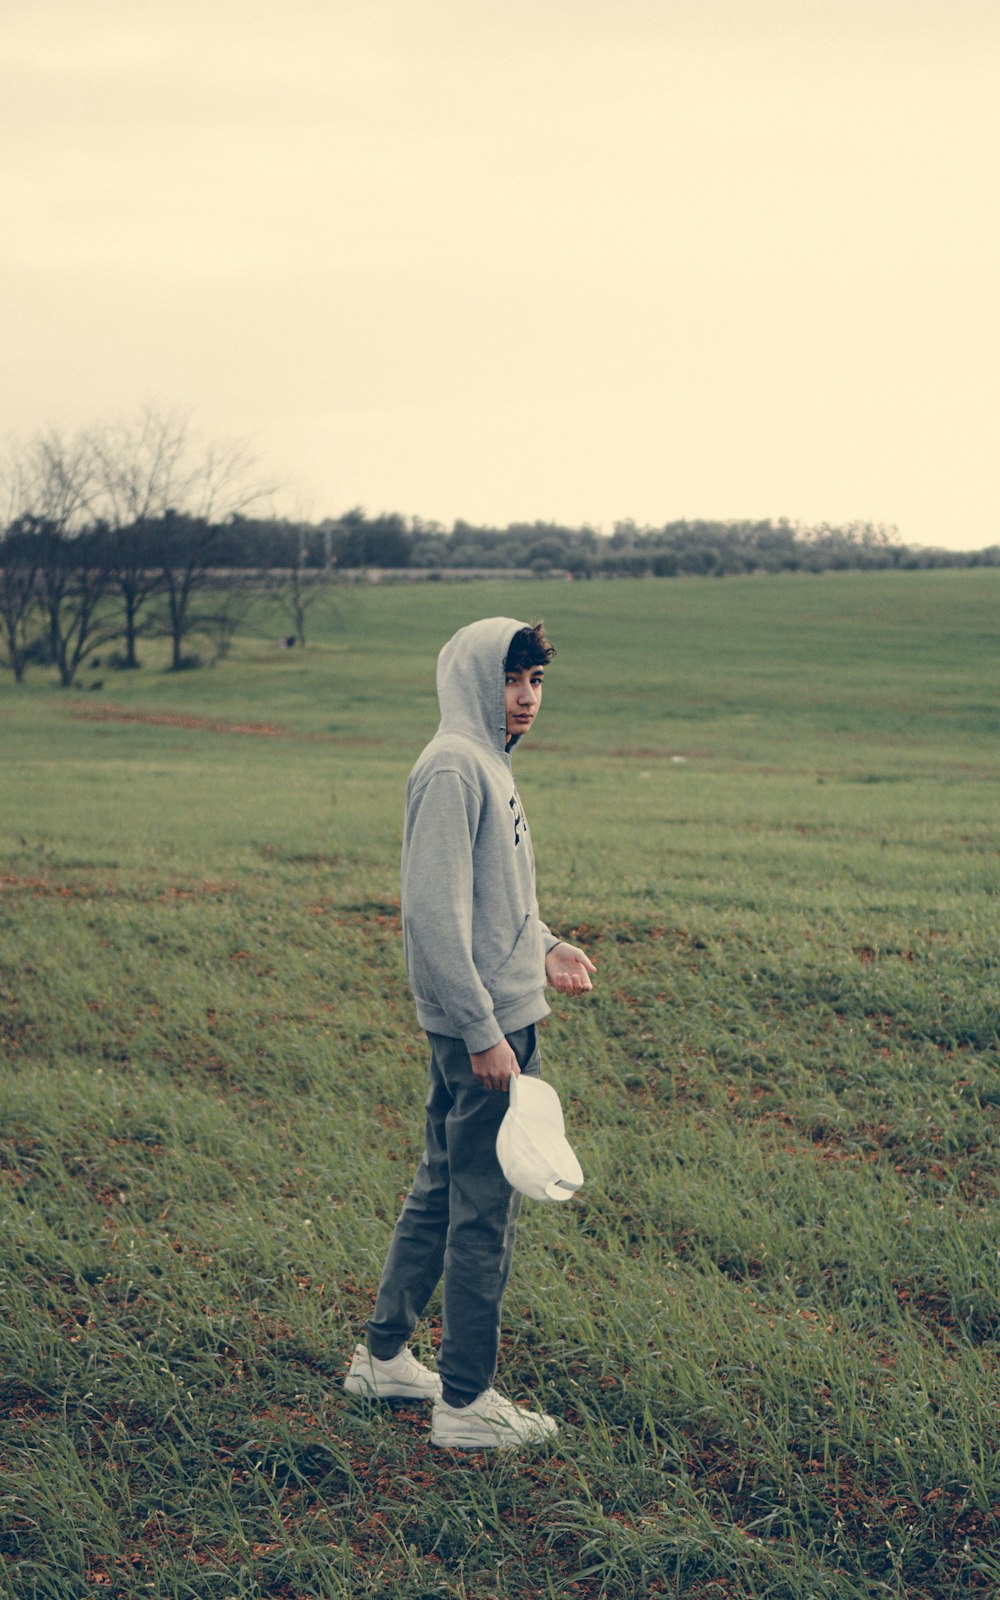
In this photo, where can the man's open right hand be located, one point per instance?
(495, 1067)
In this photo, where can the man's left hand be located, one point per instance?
(568, 969)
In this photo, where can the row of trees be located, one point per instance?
(674, 549)
(142, 528)
(118, 533)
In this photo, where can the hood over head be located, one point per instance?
(470, 681)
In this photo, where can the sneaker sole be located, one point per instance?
(467, 1442)
(478, 1444)
(362, 1387)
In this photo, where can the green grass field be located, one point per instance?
(769, 1322)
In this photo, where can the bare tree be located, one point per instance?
(136, 467)
(163, 492)
(184, 548)
(296, 588)
(19, 557)
(227, 601)
(70, 556)
(76, 576)
(19, 601)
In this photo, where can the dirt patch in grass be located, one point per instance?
(169, 719)
(39, 887)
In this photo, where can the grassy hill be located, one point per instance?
(768, 1322)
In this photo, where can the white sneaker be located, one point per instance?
(490, 1422)
(402, 1378)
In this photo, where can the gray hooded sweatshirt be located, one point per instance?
(473, 941)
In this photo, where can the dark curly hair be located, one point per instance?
(529, 648)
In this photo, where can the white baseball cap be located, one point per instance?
(532, 1147)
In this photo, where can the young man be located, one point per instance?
(478, 956)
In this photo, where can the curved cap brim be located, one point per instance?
(561, 1189)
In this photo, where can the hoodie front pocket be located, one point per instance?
(524, 969)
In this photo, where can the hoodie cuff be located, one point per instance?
(483, 1036)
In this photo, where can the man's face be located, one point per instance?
(524, 696)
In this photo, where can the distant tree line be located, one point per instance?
(141, 529)
(675, 549)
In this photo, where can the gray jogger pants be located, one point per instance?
(458, 1222)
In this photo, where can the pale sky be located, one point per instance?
(577, 260)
